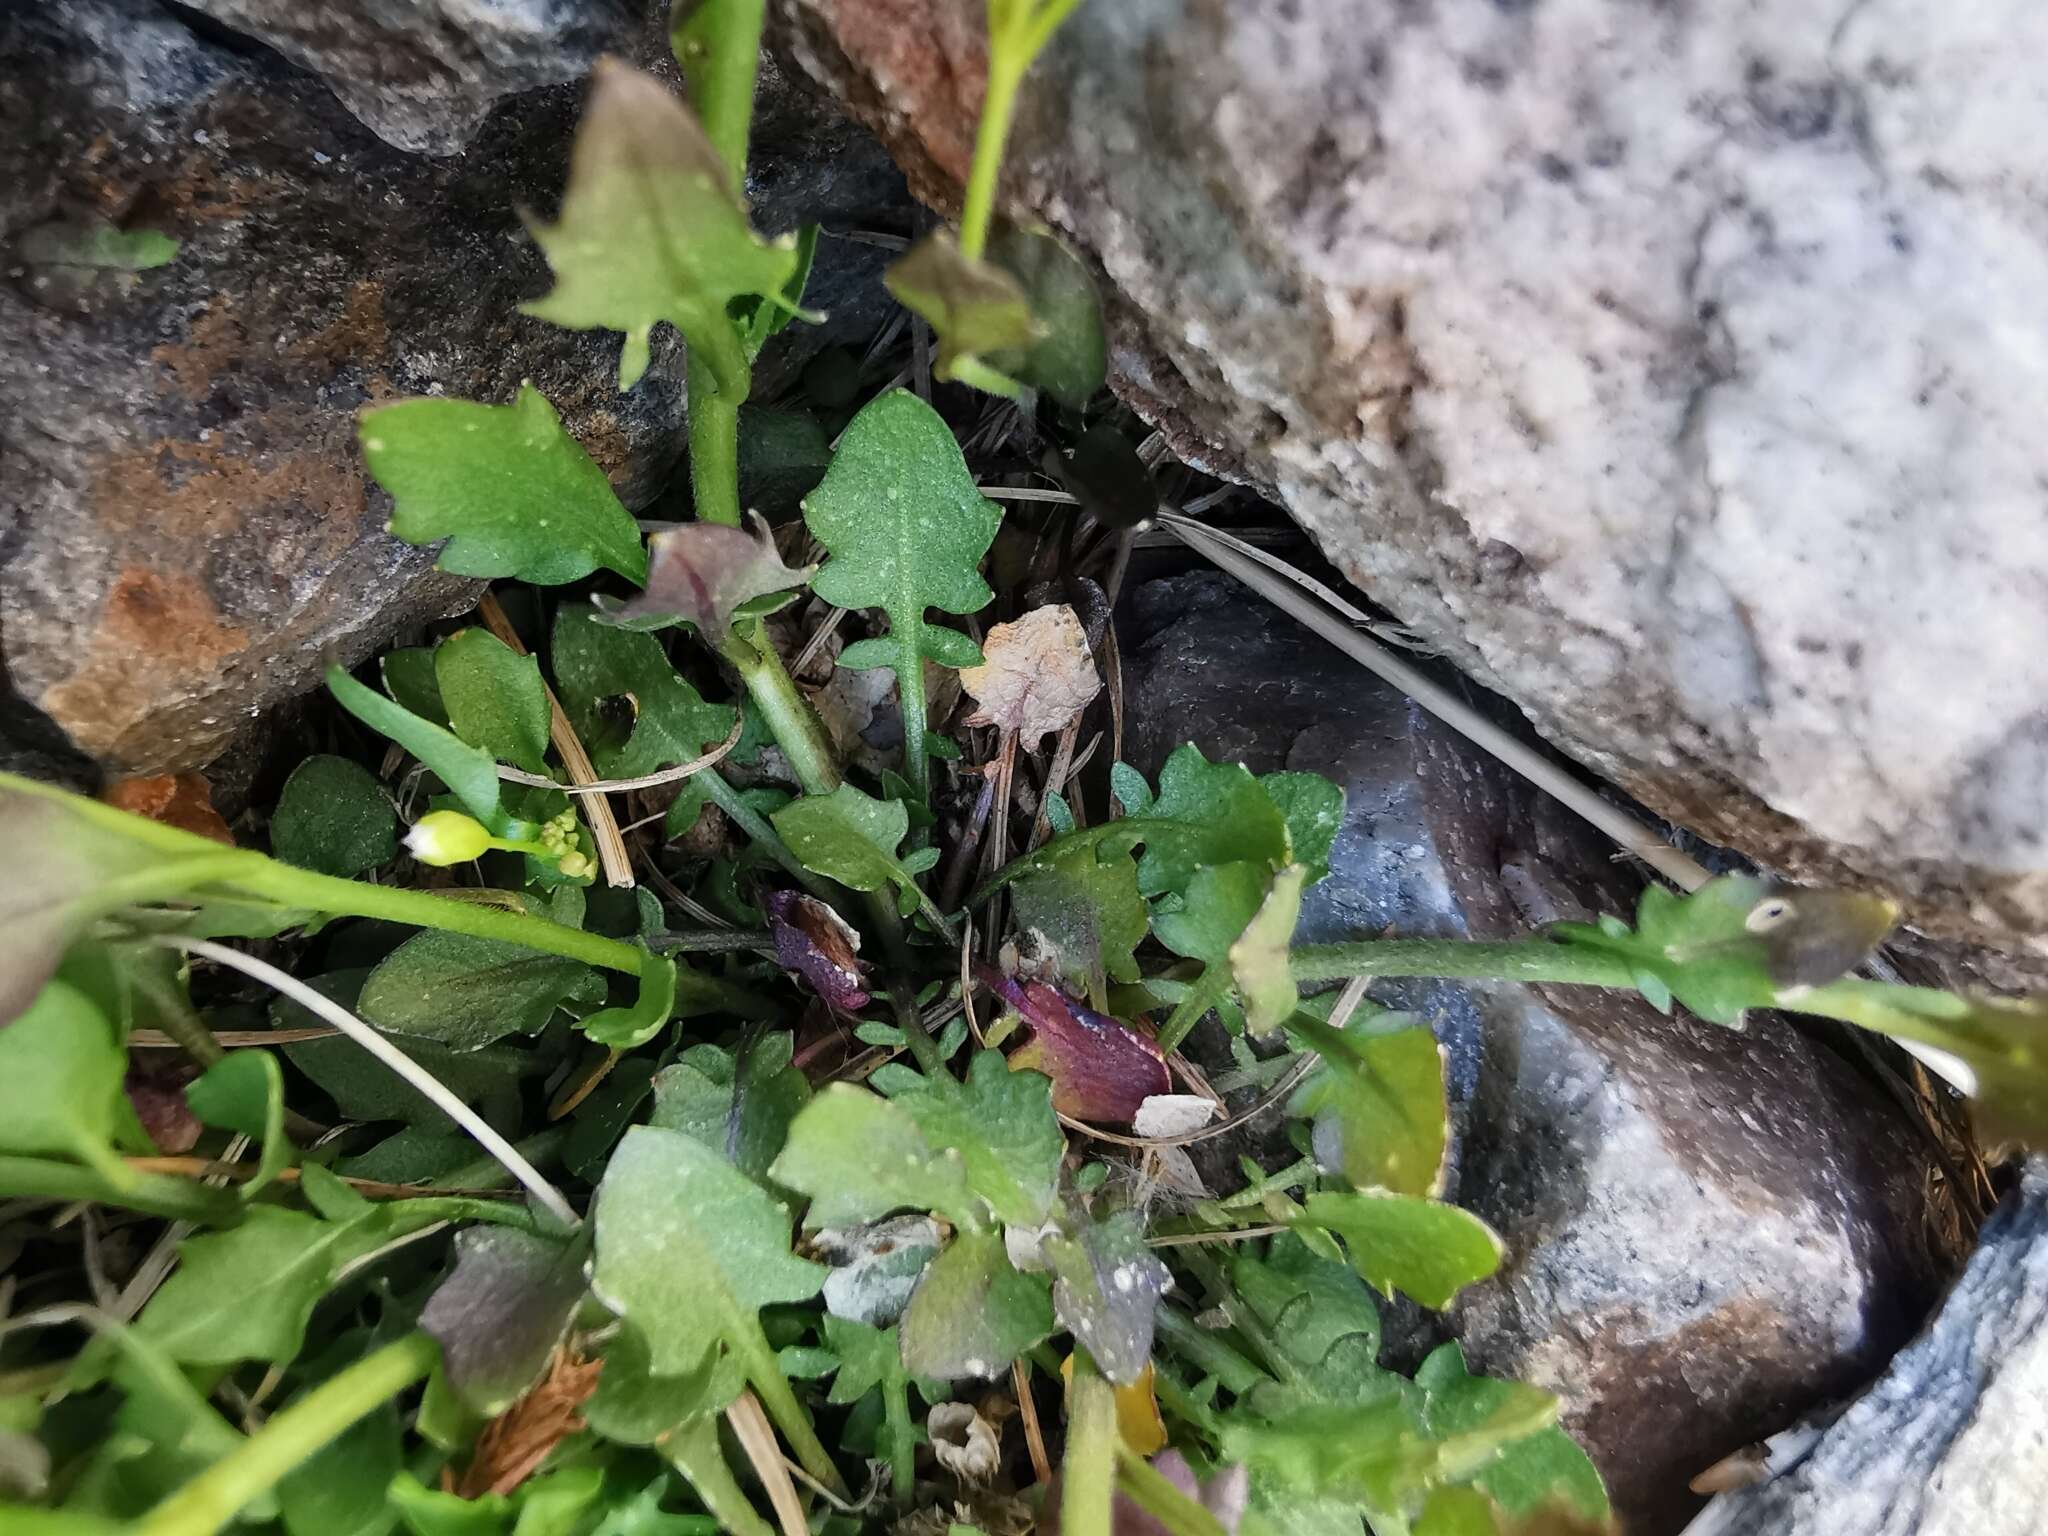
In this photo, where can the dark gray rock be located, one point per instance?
(1953, 1439)
(424, 74)
(1708, 1233)
(186, 533)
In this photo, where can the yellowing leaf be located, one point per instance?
(651, 230)
(974, 309)
(1258, 957)
(1036, 675)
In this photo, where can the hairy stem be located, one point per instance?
(790, 718)
(214, 1497)
(1516, 960)
(718, 45)
(917, 763)
(1085, 1469)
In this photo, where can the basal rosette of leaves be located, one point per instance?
(614, 1106)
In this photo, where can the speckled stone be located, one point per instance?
(1674, 370)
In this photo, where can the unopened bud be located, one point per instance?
(447, 837)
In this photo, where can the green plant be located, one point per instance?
(719, 1244)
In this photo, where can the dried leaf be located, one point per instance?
(1101, 1068)
(515, 1443)
(701, 572)
(1037, 675)
(820, 946)
(964, 1442)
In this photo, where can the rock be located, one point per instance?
(424, 74)
(1667, 370)
(1708, 1233)
(186, 533)
(1953, 1439)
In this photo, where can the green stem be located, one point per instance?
(790, 718)
(717, 44)
(797, 730)
(156, 1193)
(714, 447)
(755, 825)
(1517, 960)
(421, 909)
(214, 1497)
(1196, 1001)
(998, 106)
(1013, 45)
(902, 1437)
(923, 1048)
(1147, 1487)
(1208, 1353)
(1085, 1469)
(178, 1019)
(917, 764)
(764, 1372)
(692, 1449)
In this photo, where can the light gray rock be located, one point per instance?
(1675, 370)
(1708, 1233)
(424, 74)
(1953, 1438)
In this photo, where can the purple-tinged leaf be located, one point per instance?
(701, 572)
(820, 946)
(1101, 1068)
(500, 1314)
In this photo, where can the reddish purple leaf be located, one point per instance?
(158, 1095)
(703, 571)
(816, 942)
(1101, 1068)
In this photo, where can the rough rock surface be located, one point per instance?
(186, 534)
(1708, 1233)
(424, 74)
(1675, 370)
(1953, 1439)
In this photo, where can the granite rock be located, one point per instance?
(1672, 371)
(1708, 1233)
(1953, 1439)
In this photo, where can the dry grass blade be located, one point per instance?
(644, 781)
(1516, 755)
(604, 826)
(757, 1438)
(1034, 1435)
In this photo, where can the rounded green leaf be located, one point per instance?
(334, 817)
